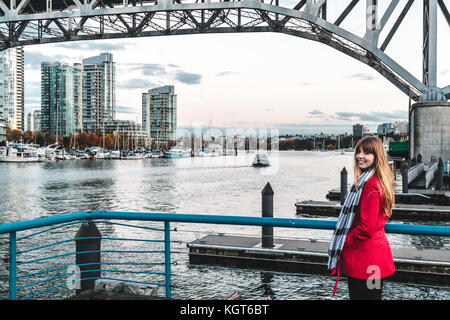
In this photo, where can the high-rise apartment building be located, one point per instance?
(12, 88)
(2, 131)
(37, 120)
(98, 91)
(358, 130)
(78, 97)
(30, 121)
(159, 114)
(58, 107)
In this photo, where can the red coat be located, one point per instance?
(366, 253)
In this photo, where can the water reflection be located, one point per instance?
(266, 285)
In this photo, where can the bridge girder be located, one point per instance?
(27, 22)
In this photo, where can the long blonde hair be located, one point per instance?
(373, 145)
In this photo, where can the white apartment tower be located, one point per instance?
(12, 88)
(159, 114)
(98, 92)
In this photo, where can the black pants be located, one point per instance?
(359, 290)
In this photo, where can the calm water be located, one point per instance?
(217, 185)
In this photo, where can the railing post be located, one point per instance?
(12, 265)
(88, 257)
(267, 211)
(167, 270)
(404, 169)
(343, 185)
(440, 175)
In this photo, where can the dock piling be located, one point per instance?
(267, 211)
(440, 175)
(404, 169)
(88, 247)
(343, 185)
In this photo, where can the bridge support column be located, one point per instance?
(430, 130)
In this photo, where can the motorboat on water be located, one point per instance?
(19, 153)
(131, 155)
(56, 151)
(261, 160)
(177, 153)
(96, 153)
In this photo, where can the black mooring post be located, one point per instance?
(267, 211)
(404, 169)
(343, 185)
(88, 257)
(440, 175)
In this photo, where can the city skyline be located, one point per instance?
(263, 80)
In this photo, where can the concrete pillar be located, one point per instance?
(430, 130)
(267, 211)
(88, 246)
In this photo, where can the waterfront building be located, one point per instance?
(98, 92)
(159, 114)
(58, 108)
(357, 130)
(12, 88)
(37, 120)
(2, 131)
(398, 127)
(129, 128)
(30, 121)
(78, 96)
(386, 129)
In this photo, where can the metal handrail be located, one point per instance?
(213, 219)
(12, 228)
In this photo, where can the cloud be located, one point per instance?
(188, 78)
(315, 113)
(373, 116)
(33, 59)
(146, 69)
(124, 109)
(163, 72)
(225, 73)
(137, 83)
(362, 76)
(95, 45)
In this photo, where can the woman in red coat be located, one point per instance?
(366, 256)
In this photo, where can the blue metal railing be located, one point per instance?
(67, 219)
(446, 168)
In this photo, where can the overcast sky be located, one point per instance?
(260, 80)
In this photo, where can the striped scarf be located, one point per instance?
(345, 219)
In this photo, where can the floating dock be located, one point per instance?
(400, 211)
(414, 196)
(429, 266)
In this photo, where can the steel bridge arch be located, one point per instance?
(28, 22)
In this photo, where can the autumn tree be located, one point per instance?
(93, 140)
(109, 141)
(83, 140)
